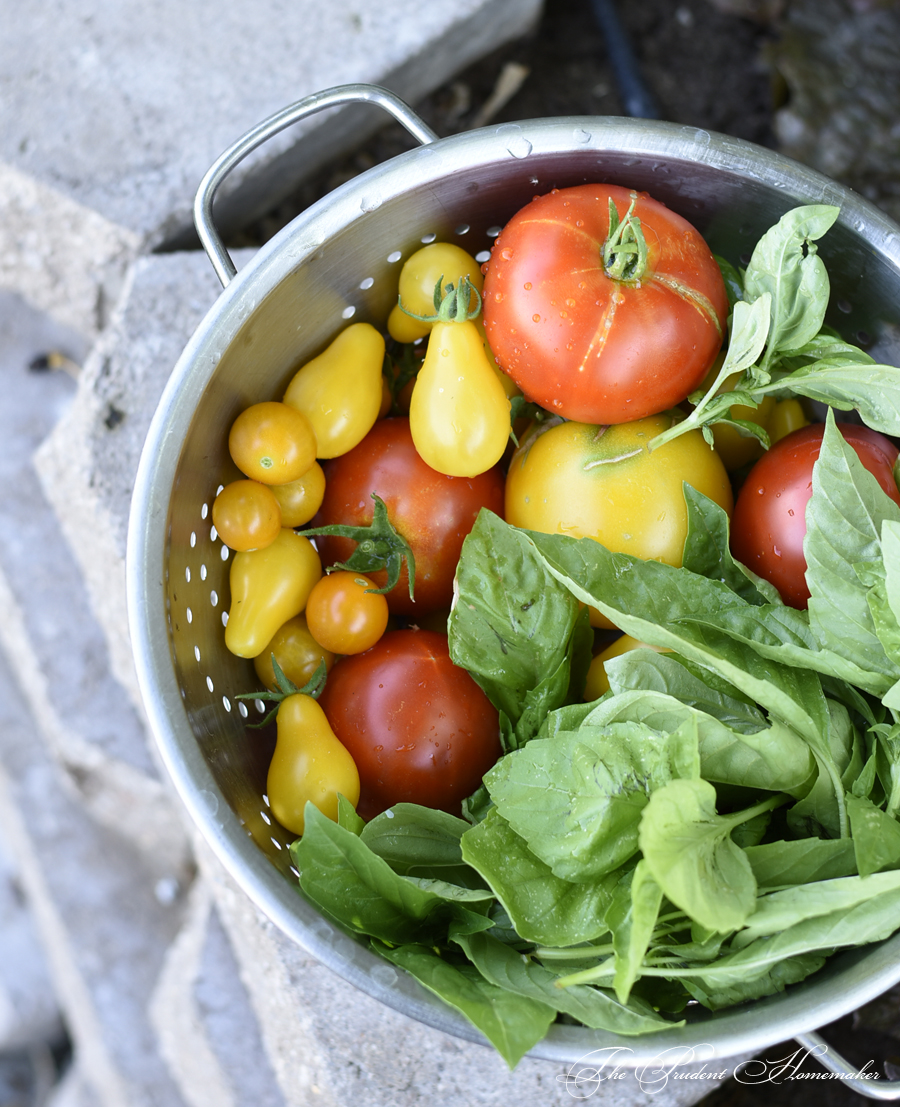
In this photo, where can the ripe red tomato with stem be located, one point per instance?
(769, 520)
(602, 304)
(418, 727)
(433, 512)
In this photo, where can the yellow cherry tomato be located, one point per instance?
(301, 499)
(788, 416)
(439, 261)
(273, 443)
(340, 390)
(268, 587)
(597, 681)
(309, 764)
(604, 483)
(345, 613)
(296, 651)
(459, 412)
(246, 515)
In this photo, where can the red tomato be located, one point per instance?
(590, 346)
(769, 521)
(433, 512)
(418, 727)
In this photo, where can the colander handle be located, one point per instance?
(309, 105)
(816, 1045)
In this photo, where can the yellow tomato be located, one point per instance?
(296, 651)
(340, 390)
(272, 443)
(734, 448)
(604, 483)
(597, 681)
(459, 412)
(439, 261)
(301, 499)
(268, 587)
(309, 764)
(788, 416)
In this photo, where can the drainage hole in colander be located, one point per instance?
(242, 708)
(483, 256)
(394, 256)
(224, 553)
(845, 306)
(197, 654)
(190, 615)
(491, 232)
(367, 283)
(204, 511)
(209, 684)
(426, 239)
(265, 818)
(193, 539)
(348, 312)
(276, 843)
(214, 598)
(224, 618)
(213, 534)
(226, 703)
(463, 228)
(187, 573)
(203, 572)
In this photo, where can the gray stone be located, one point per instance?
(48, 631)
(88, 464)
(113, 111)
(104, 929)
(29, 1012)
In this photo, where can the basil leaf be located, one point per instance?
(513, 627)
(577, 800)
(876, 836)
(631, 918)
(776, 864)
(416, 840)
(785, 264)
(689, 851)
(848, 385)
(340, 874)
(511, 1022)
(593, 1007)
(543, 907)
(714, 994)
(844, 519)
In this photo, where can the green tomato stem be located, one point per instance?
(625, 250)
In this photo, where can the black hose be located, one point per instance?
(636, 98)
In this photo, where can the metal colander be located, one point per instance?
(340, 260)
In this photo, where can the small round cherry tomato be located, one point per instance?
(309, 764)
(769, 521)
(301, 499)
(604, 483)
(433, 512)
(272, 442)
(345, 614)
(418, 727)
(296, 651)
(439, 261)
(246, 515)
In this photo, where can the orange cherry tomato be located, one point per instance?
(272, 442)
(345, 614)
(246, 515)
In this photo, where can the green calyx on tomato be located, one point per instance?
(286, 687)
(380, 546)
(451, 304)
(625, 251)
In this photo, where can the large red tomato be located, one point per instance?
(586, 339)
(769, 521)
(418, 727)
(433, 512)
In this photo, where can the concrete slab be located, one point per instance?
(104, 910)
(47, 629)
(120, 108)
(88, 463)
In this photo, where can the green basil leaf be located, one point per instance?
(512, 1023)
(776, 864)
(593, 1007)
(577, 800)
(872, 390)
(631, 918)
(714, 994)
(844, 520)
(689, 851)
(416, 840)
(876, 836)
(543, 907)
(785, 264)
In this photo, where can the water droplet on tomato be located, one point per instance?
(776, 551)
(536, 318)
(527, 286)
(579, 222)
(498, 296)
(506, 254)
(760, 491)
(790, 511)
